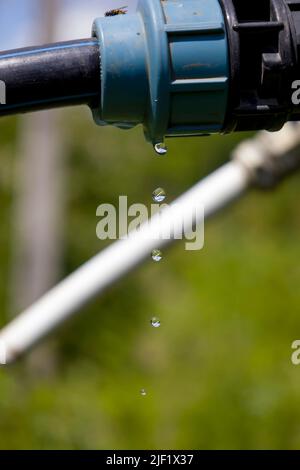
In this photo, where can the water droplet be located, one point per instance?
(156, 255)
(159, 195)
(161, 148)
(143, 392)
(155, 322)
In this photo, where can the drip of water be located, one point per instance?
(143, 392)
(156, 255)
(155, 322)
(161, 148)
(159, 195)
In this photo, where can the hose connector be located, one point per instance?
(165, 67)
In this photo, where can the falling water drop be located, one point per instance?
(159, 195)
(143, 392)
(161, 148)
(155, 322)
(156, 255)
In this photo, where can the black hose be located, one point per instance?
(61, 74)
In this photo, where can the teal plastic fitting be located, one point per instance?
(165, 67)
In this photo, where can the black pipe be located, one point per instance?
(61, 74)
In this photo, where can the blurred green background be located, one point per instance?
(218, 372)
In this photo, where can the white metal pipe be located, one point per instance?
(213, 193)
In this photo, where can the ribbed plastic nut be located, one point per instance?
(165, 67)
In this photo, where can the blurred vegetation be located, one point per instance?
(218, 371)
